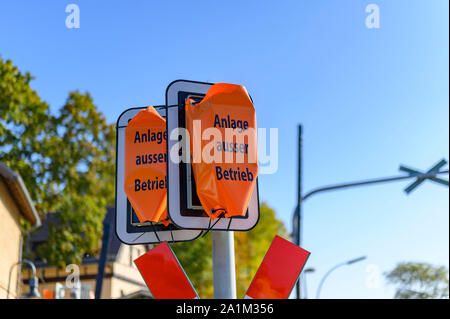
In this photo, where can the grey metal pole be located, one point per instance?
(299, 203)
(224, 272)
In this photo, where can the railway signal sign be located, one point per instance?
(229, 109)
(225, 166)
(129, 228)
(145, 166)
(420, 180)
(183, 205)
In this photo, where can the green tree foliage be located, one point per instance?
(66, 161)
(24, 122)
(250, 248)
(419, 281)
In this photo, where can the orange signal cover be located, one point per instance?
(278, 271)
(145, 166)
(164, 275)
(223, 185)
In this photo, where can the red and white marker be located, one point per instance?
(278, 271)
(164, 275)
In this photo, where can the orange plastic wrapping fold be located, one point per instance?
(145, 166)
(224, 186)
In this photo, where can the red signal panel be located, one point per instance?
(278, 271)
(164, 275)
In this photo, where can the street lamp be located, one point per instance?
(34, 291)
(33, 281)
(307, 271)
(352, 261)
(431, 174)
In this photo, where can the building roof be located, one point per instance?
(20, 194)
(42, 234)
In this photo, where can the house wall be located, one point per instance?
(127, 277)
(52, 276)
(10, 236)
(121, 277)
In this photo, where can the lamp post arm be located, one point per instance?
(370, 181)
(325, 277)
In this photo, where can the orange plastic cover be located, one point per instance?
(223, 185)
(164, 275)
(145, 166)
(48, 294)
(278, 271)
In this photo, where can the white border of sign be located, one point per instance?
(121, 198)
(173, 193)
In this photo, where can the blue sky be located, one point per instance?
(369, 99)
